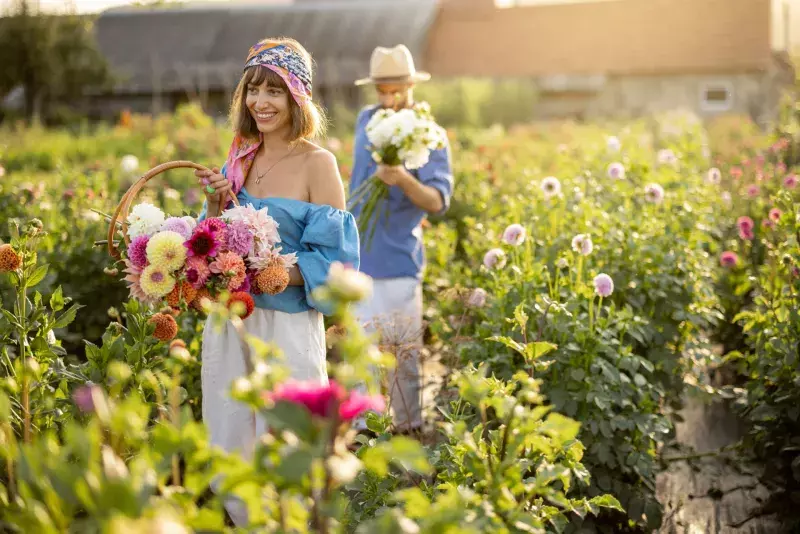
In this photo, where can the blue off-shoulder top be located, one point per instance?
(319, 234)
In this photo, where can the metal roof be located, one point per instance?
(204, 44)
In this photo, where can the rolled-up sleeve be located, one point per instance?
(438, 173)
(330, 235)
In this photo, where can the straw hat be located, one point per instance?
(393, 65)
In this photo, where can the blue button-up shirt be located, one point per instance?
(397, 250)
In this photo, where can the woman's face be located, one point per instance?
(269, 107)
(394, 95)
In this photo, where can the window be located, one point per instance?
(716, 96)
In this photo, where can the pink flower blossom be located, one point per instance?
(514, 235)
(616, 171)
(358, 403)
(775, 214)
(654, 193)
(326, 400)
(477, 298)
(736, 172)
(745, 225)
(780, 167)
(603, 285)
(768, 224)
(582, 244)
(137, 251)
(790, 181)
(494, 259)
(197, 271)
(753, 191)
(202, 243)
(728, 259)
(84, 396)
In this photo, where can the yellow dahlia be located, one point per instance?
(156, 281)
(166, 250)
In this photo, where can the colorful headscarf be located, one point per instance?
(287, 63)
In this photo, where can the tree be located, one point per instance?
(54, 58)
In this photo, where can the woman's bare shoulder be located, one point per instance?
(322, 174)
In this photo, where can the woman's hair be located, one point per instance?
(308, 121)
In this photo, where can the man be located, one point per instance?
(395, 257)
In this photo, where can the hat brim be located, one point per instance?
(419, 76)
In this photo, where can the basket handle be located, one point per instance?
(121, 213)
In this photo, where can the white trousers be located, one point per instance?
(395, 311)
(232, 425)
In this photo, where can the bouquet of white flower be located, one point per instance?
(405, 137)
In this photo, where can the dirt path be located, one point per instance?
(709, 495)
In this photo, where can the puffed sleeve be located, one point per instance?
(330, 235)
(438, 174)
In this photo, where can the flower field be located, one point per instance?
(585, 281)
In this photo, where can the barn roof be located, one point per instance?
(204, 44)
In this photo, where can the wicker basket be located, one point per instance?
(121, 213)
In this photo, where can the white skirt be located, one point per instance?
(300, 336)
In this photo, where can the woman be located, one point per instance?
(273, 164)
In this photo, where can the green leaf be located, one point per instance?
(288, 415)
(607, 501)
(510, 343)
(401, 450)
(559, 427)
(538, 349)
(57, 300)
(521, 317)
(295, 466)
(67, 317)
(37, 276)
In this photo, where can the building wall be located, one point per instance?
(473, 38)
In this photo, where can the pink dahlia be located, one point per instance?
(133, 276)
(775, 214)
(728, 259)
(197, 271)
(213, 224)
(745, 225)
(137, 251)
(790, 182)
(328, 400)
(768, 223)
(753, 191)
(202, 243)
(178, 225)
(231, 266)
(238, 238)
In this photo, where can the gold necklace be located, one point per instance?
(260, 176)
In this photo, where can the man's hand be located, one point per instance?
(391, 174)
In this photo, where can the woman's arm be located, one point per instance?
(325, 187)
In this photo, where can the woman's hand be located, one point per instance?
(217, 182)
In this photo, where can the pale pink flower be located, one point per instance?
(775, 214)
(603, 285)
(790, 181)
(514, 235)
(582, 244)
(753, 191)
(616, 171)
(477, 298)
(551, 187)
(654, 193)
(494, 259)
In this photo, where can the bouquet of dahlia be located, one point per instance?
(177, 260)
(405, 137)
